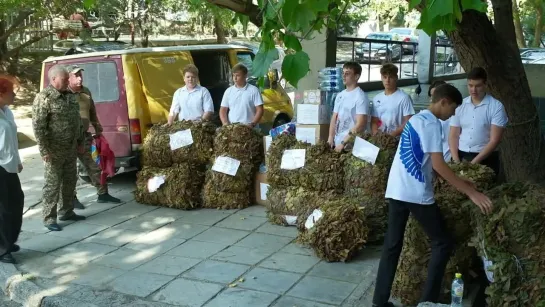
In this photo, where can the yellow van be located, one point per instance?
(133, 88)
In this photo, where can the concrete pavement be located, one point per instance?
(131, 254)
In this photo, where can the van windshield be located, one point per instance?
(101, 79)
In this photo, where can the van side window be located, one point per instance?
(101, 79)
(213, 67)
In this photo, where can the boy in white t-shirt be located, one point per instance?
(192, 101)
(242, 102)
(351, 108)
(393, 107)
(410, 191)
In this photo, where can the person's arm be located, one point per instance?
(499, 121)
(454, 136)
(93, 116)
(207, 104)
(443, 170)
(40, 124)
(174, 108)
(224, 109)
(332, 125)
(407, 110)
(258, 103)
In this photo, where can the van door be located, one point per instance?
(104, 78)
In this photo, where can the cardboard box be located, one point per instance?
(310, 114)
(308, 97)
(267, 140)
(261, 188)
(312, 133)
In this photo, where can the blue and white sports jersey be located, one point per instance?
(411, 175)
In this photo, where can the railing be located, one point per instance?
(446, 61)
(33, 29)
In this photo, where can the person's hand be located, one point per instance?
(81, 149)
(482, 201)
(339, 148)
(251, 125)
(456, 160)
(331, 142)
(19, 168)
(46, 158)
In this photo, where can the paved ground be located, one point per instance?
(137, 255)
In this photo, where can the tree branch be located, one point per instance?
(241, 7)
(31, 41)
(503, 21)
(15, 24)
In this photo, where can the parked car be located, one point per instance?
(407, 35)
(532, 54)
(133, 89)
(538, 61)
(385, 47)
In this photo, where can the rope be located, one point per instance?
(524, 122)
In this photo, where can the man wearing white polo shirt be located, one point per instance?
(393, 107)
(242, 102)
(477, 127)
(410, 192)
(191, 102)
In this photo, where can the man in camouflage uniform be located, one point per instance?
(58, 130)
(88, 116)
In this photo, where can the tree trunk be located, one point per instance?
(521, 42)
(220, 31)
(3, 42)
(539, 24)
(478, 44)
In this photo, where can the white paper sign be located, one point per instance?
(155, 183)
(307, 135)
(181, 139)
(291, 220)
(365, 150)
(263, 188)
(226, 165)
(293, 159)
(313, 218)
(487, 264)
(268, 141)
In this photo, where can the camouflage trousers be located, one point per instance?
(60, 181)
(93, 170)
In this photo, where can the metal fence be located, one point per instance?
(372, 53)
(33, 29)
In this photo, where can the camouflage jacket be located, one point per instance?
(87, 110)
(56, 122)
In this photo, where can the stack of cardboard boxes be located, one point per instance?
(313, 116)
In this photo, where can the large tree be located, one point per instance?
(477, 42)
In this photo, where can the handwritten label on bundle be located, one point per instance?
(487, 264)
(293, 159)
(263, 188)
(307, 135)
(291, 220)
(365, 150)
(268, 141)
(226, 165)
(155, 183)
(181, 139)
(313, 218)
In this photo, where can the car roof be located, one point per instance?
(142, 50)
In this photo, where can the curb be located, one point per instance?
(22, 290)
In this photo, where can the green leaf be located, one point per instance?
(88, 3)
(288, 11)
(295, 67)
(263, 60)
(303, 20)
(440, 8)
(292, 42)
(318, 5)
(477, 5)
(414, 3)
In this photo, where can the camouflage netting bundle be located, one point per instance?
(156, 149)
(242, 143)
(322, 170)
(367, 182)
(340, 232)
(294, 201)
(513, 239)
(202, 148)
(412, 268)
(181, 189)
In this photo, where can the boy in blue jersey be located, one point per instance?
(410, 191)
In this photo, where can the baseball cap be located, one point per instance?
(74, 69)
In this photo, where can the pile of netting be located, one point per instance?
(412, 270)
(238, 151)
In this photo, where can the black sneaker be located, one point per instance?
(107, 198)
(14, 248)
(72, 217)
(77, 204)
(7, 258)
(53, 227)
